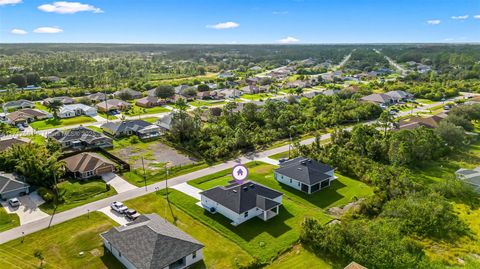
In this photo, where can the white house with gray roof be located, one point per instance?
(240, 202)
(11, 185)
(305, 174)
(74, 110)
(152, 242)
(470, 176)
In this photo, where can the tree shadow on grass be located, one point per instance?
(250, 229)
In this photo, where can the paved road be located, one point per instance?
(137, 192)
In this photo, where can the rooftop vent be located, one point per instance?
(303, 162)
(252, 186)
(245, 188)
(235, 191)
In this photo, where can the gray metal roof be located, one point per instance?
(151, 242)
(242, 197)
(305, 170)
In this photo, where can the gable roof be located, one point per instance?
(26, 113)
(151, 242)
(120, 127)
(10, 182)
(112, 104)
(377, 98)
(242, 197)
(133, 93)
(18, 103)
(305, 170)
(399, 94)
(148, 99)
(354, 265)
(85, 161)
(7, 143)
(76, 134)
(417, 121)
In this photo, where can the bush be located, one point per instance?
(134, 139)
(46, 194)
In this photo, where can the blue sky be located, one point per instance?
(240, 21)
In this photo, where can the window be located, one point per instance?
(119, 254)
(245, 214)
(290, 180)
(194, 255)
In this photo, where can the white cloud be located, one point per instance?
(288, 40)
(280, 12)
(224, 25)
(18, 32)
(463, 17)
(64, 7)
(476, 17)
(433, 22)
(9, 2)
(48, 30)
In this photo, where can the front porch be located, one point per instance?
(268, 214)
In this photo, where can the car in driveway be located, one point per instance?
(131, 214)
(14, 202)
(118, 207)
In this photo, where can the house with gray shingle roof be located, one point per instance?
(11, 185)
(242, 201)
(470, 176)
(80, 138)
(140, 128)
(379, 99)
(17, 104)
(151, 242)
(305, 174)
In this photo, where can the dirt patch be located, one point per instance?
(154, 156)
(95, 252)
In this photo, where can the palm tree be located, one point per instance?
(54, 107)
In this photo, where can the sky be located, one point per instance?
(240, 21)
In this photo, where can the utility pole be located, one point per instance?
(144, 176)
(166, 180)
(56, 198)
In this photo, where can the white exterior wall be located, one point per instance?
(91, 112)
(189, 260)
(66, 114)
(115, 253)
(236, 218)
(286, 180)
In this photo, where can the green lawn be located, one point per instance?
(8, 221)
(55, 123)
(199, 103)
(37, 139)
(61, 246)
(299, 257)
(95, 128)
(150, 119)
(136, 110)
(76, 193)
(219, 252)
(135, 176)
(424, 101)
(39, 106)
(256, 97)
(279, 156)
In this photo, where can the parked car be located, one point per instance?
(131, 214)
(25, 124)
(118, 207)
(14, 202)
(20, 127)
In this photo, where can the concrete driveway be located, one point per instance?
(188, 190)
(28, 210)
(120, 184)
(119, 218)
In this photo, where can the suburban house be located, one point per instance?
(250, 89)
(97, 97)
(180, 88)
(207, 95)
(140, 128)
(330, 92)
(8, 143)
(26, 115)
(152, 242)
(131, 93)
(417, 121)
(228, 93)
(73, 110)
(400, 96)
(63, 99)
(379, 99)
(87, 164)
(165, 122)
(112, 104)
(18, 104)
(470, 176)
(12, 185)
(226, 75)
(150, 101)
(296, 84)
(80, 138)
(240, 202)
(354, 265)
(305, 174)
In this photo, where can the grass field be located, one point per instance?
(299, 257)
(77, 193)
(95, 128)
(55, 123)
(136, 110)
(61, 246)
(37, 139)
(219, 252)
(199, 103)
(256, 97)
(8, 221)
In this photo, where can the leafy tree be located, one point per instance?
(453, 135)
(19, 80)
(203, 88)
(124, 95)
(165, 91)
(32, 78)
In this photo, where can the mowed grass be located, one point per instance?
(136, 110)
(265, 240)
(55, 123)
(61, 246)
(199, 103)
(219, 252)
(257, 96)
(76, 193)
(8, 221)
(299, 257)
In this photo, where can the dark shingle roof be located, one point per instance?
(151, 242)
(5, 144)
(10, 182)
(305, 170)
(76, 134)
(243, 197)
(120, 127)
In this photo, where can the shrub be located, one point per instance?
(46, 194)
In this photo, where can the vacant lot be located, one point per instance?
(219, 252)
(76, 193)
(199, 103)
(72, 244)
(55, 123)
